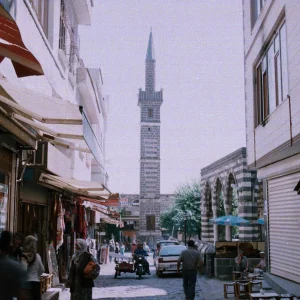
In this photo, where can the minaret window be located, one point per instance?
(150, 112)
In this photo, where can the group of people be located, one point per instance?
(20, 267)
(243, 265)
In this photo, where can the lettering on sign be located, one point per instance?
(52, 263)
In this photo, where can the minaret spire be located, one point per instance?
(150, 65)
(150, 50)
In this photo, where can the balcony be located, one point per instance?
(82, 10)
(89, 91)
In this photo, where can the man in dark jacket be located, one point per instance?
(141, 252)
(12, 274)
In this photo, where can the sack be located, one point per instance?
(91, 270)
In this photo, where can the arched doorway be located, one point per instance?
(220, 209)
(231, 206)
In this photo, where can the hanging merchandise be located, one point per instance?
(60, 225)
(81, 221)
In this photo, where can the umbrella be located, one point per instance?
(229, 221)
(261, 221)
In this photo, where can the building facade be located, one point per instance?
(272, 83)
(52, 156)
(219, 181)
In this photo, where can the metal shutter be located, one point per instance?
(284, 217)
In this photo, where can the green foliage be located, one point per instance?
(187, 202)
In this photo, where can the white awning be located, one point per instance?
(56, 120)
(96, 207)
(80, 187)
(45, 109)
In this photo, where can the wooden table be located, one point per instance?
(263, 296)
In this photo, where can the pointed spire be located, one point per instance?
(150, 50)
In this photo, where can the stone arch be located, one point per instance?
(231, 179)
(219, 231)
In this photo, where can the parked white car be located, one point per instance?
(166, 261)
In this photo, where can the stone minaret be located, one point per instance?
(149, 103)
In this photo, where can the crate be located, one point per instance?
(45, 282)
(125, 266)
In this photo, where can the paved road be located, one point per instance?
(127, 286)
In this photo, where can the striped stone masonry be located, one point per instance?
(219, 176)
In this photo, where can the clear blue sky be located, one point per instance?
(199, 64)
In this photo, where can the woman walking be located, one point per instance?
(80, 286)
(33, 265)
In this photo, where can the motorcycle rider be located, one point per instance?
(141, 252)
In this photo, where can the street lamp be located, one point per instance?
(185, 218)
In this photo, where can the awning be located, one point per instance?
(111, 201)
(12, 47)
(51, 117)
(79, 187)
(113, 221)
(97, 207)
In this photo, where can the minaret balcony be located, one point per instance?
(151, 96)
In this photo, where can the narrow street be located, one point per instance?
(127, 286)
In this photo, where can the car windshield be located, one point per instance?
(168, 243)
(171, 250)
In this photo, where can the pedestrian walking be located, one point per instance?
(122, 249)
(33, 265)
(80, 285)
(117, 248)
(12, 275)
(146, 247)
(191, 263)
(111, 248)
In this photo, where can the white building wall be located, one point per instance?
(57, 80)
(277, 129)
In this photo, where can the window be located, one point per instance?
(150, 112)
(271, 77)
(41, 10)
(256, 8)
(150, 222)
(68, 36)
(62, 28)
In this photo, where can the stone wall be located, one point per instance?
(223, 267)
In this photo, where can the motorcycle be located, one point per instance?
(139, 266)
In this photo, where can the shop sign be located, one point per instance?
(123, 202)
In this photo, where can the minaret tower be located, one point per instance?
(150, 102)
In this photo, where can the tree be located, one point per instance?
(187, 202)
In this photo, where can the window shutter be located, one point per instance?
(150, 222)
